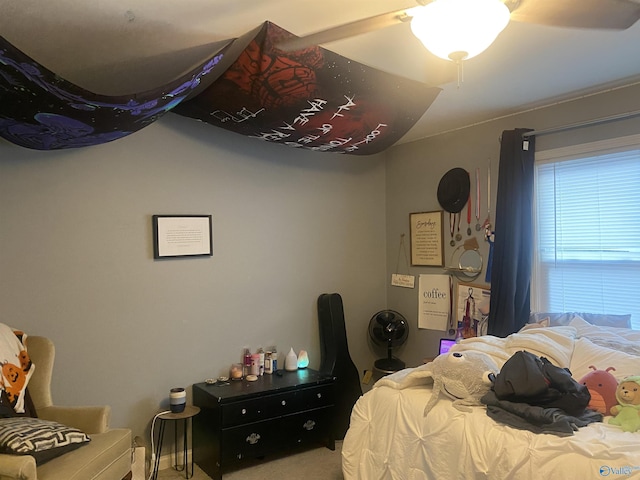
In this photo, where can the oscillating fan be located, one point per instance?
(388, 328)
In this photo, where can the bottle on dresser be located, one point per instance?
(260, 361)
(247, 362)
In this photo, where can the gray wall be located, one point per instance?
(76, 261)
(76, 258)
(415, 169)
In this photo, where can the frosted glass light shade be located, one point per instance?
(459, 29)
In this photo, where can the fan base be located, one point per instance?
(389, 365)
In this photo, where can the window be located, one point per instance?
(587, 214)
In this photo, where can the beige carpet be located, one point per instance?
(315, 464)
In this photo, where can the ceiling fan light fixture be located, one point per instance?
(459, 29)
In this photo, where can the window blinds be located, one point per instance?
(587, 214)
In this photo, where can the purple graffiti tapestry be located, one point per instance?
(311, 99)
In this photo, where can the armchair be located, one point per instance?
(106, 457)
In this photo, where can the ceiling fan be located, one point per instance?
(433, 21)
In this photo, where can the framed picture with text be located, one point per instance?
(177, 236)
(427, 234)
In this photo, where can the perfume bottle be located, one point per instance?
(268, 365)
(260, 361)
(274, 359)
(247, 362)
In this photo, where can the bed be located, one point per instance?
(390, 437)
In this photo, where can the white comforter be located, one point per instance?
(390, 438)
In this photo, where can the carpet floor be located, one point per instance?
(314, 464)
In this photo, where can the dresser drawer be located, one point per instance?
(315, 397)
(251, 440)
(261, 438)
(306, 427)
(257, 409)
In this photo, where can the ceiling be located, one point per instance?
(120, 46)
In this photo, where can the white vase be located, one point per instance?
(291, 361)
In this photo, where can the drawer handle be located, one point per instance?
(319, 395)
(284, 402)
(244, 411)
(253, 439)
(309, 424)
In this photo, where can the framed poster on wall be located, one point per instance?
(472, 309)
(177, 236)
(427, 233)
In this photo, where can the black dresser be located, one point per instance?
(253, 419)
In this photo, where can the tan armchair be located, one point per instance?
(106, 457)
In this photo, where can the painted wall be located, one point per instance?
(76, 258)
(415, 169)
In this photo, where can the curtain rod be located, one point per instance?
(586, 123)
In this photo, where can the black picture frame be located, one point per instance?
(179, 236)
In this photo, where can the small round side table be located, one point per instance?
(186, 416)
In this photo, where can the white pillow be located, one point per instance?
(544, 323)
(586, 329)
(586, 353)
(604, 320)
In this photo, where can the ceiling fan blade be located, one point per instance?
(346, 30)
(605, 14)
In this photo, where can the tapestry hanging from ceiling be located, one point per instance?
(312, 99)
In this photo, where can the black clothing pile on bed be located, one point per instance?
(531, 393)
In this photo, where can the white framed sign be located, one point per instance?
(182, 236)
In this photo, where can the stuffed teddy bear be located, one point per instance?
(602, 387)
(463, 376)
(627, 412)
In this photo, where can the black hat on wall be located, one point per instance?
(453, 190)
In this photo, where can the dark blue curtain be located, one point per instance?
(513, 244)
